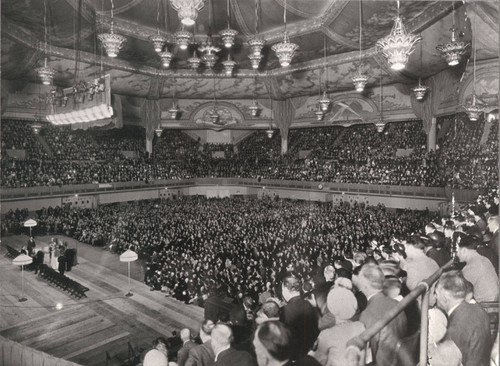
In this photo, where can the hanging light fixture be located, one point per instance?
(214, 116)
(420, 90)
(112, 41)
(359, 80)
(157, 39)
(174, 110)
(228, 34)
(45, 72)
(229, 65)
(187, 10)
(194, 62)
(209, 58)
(270, 132)
(254, 108)
(473, 107)
(256, 43)
(319, 114)
(453, 50)
(166, 57)
(398, 45)
(380, 124)
(255, 61)
(285, 50)
(182, 38)
(158, 131)
(324, 101)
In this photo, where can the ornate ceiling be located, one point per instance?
(74, 24)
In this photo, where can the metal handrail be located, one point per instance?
(359, 342)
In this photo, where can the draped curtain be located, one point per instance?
(150, 115)
(283, 117)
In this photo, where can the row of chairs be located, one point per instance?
(62, 281)
(12, 252)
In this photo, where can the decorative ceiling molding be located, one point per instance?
(339, 39)
(131, 29)
(429, 16)
(333, 11)
(295, 29)
(486, 16)
(121, 9)
(239, 18)
(293, 10)
(69, 41)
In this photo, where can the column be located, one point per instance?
(149, 144)
(431, 136)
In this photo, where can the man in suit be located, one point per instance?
(183, 353)
(299, 316)
(468, 324)
(31, 246)
(38, 259)
(273, 346)
(383, 345)
(202, 355)
(225, 355)
(62, 263)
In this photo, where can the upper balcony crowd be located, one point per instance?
(466, 156)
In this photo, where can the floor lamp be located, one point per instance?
(22, 260)
(128, 256)
(30, 223)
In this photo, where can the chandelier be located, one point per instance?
(166, 57)
(285, 50)
(453, 51)
(254, 109)
(319, 114)
(359, 80)
(209, 59)
(182, 38)
(256, 45)
(158, 42)
(228, 34)
(398, 45)
(473, 108)
(324, 102)
(380, 125)
(420, 90)
(187, 10)
(45, 73)
(229, 66)
(111, 41)
(255, 60)
(194, 62)
(173, 111)
(158, 131)
(36, 127)
(270, 133)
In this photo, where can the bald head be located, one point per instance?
(185, 334)
(222, 336)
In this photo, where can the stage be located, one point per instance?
(83, 330)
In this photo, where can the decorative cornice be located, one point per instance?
(300, 28)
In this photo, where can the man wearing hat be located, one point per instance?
(478, 269)
(438, 252)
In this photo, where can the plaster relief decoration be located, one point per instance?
(486, 87)
(228, 115)
(393, 99)
(349, 110)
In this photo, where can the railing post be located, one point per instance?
(424, 327)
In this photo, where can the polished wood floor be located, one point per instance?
(83, 330)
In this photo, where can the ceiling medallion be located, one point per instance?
(166, 57)
(158, 42)
(453, 51)
(229, 66)
(182, 38)
(285, 51)
(45, 73)
(420, 90)
(194, 62)
(324, 102)
(473, 108)
(227, 36)
(398, 45)
(158, 132)
(187, 10)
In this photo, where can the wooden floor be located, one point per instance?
(83, 330)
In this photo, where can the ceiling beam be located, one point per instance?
(429, 16)
(333, 11)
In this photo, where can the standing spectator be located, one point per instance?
(371, 281)
(468, 324)
(478, 270)
(203, 354)
(31, 245)
(61, 260)
(225, 355)
(38, 259)
(187, 344)
(299, 315)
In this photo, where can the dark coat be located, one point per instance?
(383, 344)
(300, 316)
(201, 355)
(440, 256)
(183, 353)
(469, 328)
(232, 357)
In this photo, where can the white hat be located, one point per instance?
(155, 358)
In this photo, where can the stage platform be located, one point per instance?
(83, 330)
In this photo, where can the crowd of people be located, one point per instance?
(304, 319)
(357, 154)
